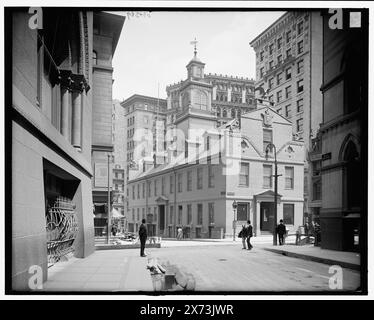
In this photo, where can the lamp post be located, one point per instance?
(110, 157)
(276, 175)
(234, 206)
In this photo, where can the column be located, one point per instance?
(257, 218)
(77, 119)
(214, 92)
(229, 93)
(243, 95)
(65, 112)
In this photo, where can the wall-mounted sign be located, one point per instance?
(326, 156)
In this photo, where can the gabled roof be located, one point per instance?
(268, 193)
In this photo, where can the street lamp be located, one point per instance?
(276, 175)
(110, 158)
(234, 206)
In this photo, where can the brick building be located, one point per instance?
(289, 69)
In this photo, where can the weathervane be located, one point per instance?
(194, 43)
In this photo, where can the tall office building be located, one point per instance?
(289, 69)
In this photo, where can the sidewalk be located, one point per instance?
(109, 270)
(345, 259)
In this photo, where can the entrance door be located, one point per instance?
(266, 216)
(161, 220)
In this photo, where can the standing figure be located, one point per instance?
(249, 234)
(243, 235)
(142, 237)
(180, 233)
(281, 230)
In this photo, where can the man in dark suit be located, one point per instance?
(281, 230)
(142, 237)
(249, 235)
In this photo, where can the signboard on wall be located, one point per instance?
(101, 175)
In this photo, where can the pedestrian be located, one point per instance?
(179, 234)
(243, 234)
(142, 237)
(281, 230)
(249, 234)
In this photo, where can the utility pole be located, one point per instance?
(276, 175)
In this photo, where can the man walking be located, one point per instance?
(142, 237)
(243, 234)
(249, 235)
(281, 230)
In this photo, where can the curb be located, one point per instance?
(124, 246)
(343, 264)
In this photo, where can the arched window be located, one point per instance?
(233, 113)
(224, 114)
(94, 57)
(200, 100)
(218, 112)
(352, 177)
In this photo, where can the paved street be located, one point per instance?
(229, 268)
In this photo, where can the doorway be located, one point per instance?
(266, 216)
(161, 220)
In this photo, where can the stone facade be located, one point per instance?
(52, 116)
(343, 135)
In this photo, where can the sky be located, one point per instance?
(153, 52)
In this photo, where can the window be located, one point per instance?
(300, 105)
(171, 214)
(288, 73)
(210, 177)
(300, 66)
(199, 213)
(267, 137)
(261, 72)
(279, 42)
(279, 95)
(300, 47)
(288, 53)
(137, 214)
(208, 141)
(189, 214)
(271, 64)
(171, 184)
(155, 187)
(288, 110)
(179, 182)
(180, 213)
(163, 185)
(300, 86)
(317, 190)
(261, 56)
(211, 212)
(279, 111)
(133, 192)
(133, 214)
(279, 59)
(199, 178)
(149, 188)
(271, 83)
(289, 177)
(155, 213)
(267, 172)
(299, 125)
(288, 213)
(143, 213)
(138, 191)
(271, 48)
(189, 180)
(300, 28)
(279, 78)
(94, 57)
(244, 174)
(288, 92)
(288, 36)
(143, 191)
